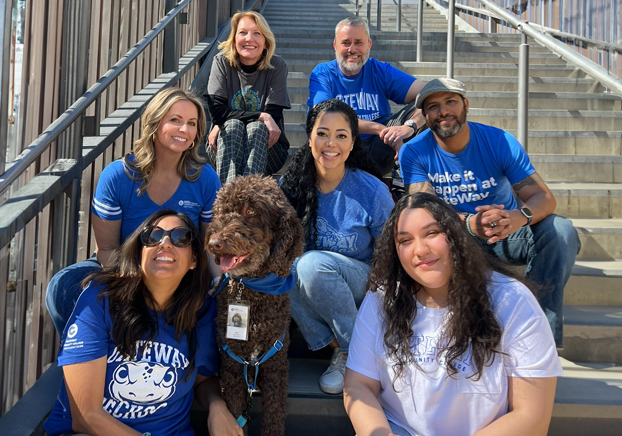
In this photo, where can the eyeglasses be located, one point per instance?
(154, 235)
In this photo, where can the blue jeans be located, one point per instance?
(64, 290)
(549, 249)
(328, 290)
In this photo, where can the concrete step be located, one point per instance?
(388, 35)
(477, 46)
(588, 200)
(573, 168)
(394, 55)
(309, 410)
(588, 400)
(593, 334)
(509, 100)
(601, 239)
(476, 83)
(595, 283)
(578, 142)
(507, 118)
(570, 142)
(461, 68)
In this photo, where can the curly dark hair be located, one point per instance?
(129, 298)
(472, 322)
(299, 182)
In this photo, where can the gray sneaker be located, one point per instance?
(331, 381)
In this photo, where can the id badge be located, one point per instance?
(237, 320)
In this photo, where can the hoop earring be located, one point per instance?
(191, 146)
(153, 138)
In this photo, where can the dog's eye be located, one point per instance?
(250, 212)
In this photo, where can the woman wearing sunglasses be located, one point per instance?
(164, 171)
(141, 342)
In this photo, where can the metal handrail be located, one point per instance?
(554, 32)
(28, 156)
(591, 68)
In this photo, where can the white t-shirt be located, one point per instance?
(426, 401)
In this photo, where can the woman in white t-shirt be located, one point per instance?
(443, 344)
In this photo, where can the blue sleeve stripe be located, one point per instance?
(105, 209)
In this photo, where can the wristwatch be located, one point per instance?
(528, 214)
(411, 124)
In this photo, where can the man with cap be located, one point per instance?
(477, 169)
(368, 85)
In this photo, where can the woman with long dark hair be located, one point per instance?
(246, 95)
(141, 342)
(335, 188)
(445, 343)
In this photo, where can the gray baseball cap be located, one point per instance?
(444, 84)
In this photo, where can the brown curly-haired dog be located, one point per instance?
(255, 231)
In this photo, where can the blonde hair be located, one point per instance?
(227, 48)
(190, 163)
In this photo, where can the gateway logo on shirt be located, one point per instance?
(188, 204)
(330, 239)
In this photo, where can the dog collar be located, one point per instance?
(268, 284)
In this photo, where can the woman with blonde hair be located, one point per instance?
(163, 171)
(246, 95)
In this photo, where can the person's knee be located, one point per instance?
(233, 125)
(256, 126)
(561, 232)
(312, 269)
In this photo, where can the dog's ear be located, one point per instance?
(288, 243)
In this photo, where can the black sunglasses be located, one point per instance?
(154, 235)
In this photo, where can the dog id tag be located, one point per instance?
(237, 320)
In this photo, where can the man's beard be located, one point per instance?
(449, 132)
(351, 68)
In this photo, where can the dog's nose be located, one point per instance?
(215, 244)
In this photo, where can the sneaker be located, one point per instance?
(331, 381)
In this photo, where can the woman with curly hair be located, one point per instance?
(446, 342)
(141, 342)
(335, 188)
(246, 95)
(165, 170)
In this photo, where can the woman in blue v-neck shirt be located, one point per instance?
(164, 170)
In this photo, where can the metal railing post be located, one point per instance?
(170, 55)
(212, 18)
(523, 91)
(420, 31)
(357, 8)
(236, 5)
(451, 24)
(379, 16)
(398, 20)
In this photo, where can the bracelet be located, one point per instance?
(147, 433)
(468, 218)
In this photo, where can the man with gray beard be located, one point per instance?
(367, 85)
(477, 169)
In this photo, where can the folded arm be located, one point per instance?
(530, 408)
(360, 398)
(85, 388)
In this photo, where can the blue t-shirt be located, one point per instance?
(368, 92)
(352, 216)
(149, 393)
(116, 198)
(483, 173)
